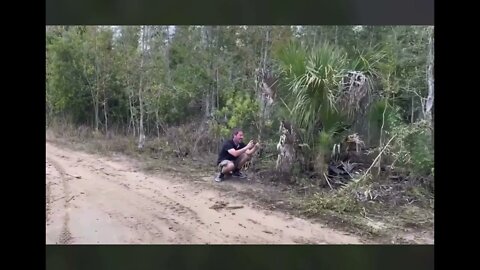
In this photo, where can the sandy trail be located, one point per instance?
(99, 200)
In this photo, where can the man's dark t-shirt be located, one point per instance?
(224, 155)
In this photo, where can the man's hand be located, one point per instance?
(250, 145)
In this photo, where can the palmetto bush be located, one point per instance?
(313, 89)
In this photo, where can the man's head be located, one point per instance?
(237, 135)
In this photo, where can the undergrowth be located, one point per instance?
(406, 203)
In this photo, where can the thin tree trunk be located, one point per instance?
(431, 86)
(213, 64)
(157, 123)
(266, 49)
(95, 105)
(166, 46)
(381, 134)
(411, 116)
(105, 103)
(95, 88)
(207, 103)
(383, 123)
(105, 115)
(141, 137)
(430, 81)
(97, 120)
(132, 116)
(207, 97)
(167, 59)
(264, 66)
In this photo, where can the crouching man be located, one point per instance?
(233, 156)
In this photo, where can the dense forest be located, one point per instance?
(330, 104)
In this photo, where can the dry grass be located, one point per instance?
(364, 205)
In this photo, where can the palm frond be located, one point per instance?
(313, 78)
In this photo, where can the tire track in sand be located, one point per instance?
(65, 235)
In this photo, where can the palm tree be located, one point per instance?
(322, 88)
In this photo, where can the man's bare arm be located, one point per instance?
(253, 149)
(238, 152)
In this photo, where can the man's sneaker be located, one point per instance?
(239, 174)
(220, 177)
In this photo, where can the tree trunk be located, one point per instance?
(285, 158)
(157, 123)
(216, 88)
(286, 149)
(267, 34)
(430, 81)
(264, 112)
(207, 103)
(141, 137)
(132, 116)
(431, 88)
(208, 90)
(411, 116)
(105, 116)
(167, 59)
(213, 64)
(94, 88)
(105, 104)
(95, 104)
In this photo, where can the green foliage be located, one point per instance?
(171, 106)
(66, 91)
(241, 110)
(367, 60)
(383, 112)
(312, 78)
(325, 140)
(194, 71)
(413, 147)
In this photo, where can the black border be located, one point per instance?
(221, 12)
(342, 12)
(240, 257)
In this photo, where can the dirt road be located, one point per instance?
(92, 199)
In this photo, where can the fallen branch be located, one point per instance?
(57, 199)
(376, 159)
(326, 178)
(75, 176)
(218, 205)
(365, 214)
(234, 207)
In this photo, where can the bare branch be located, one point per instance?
(376, 159)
